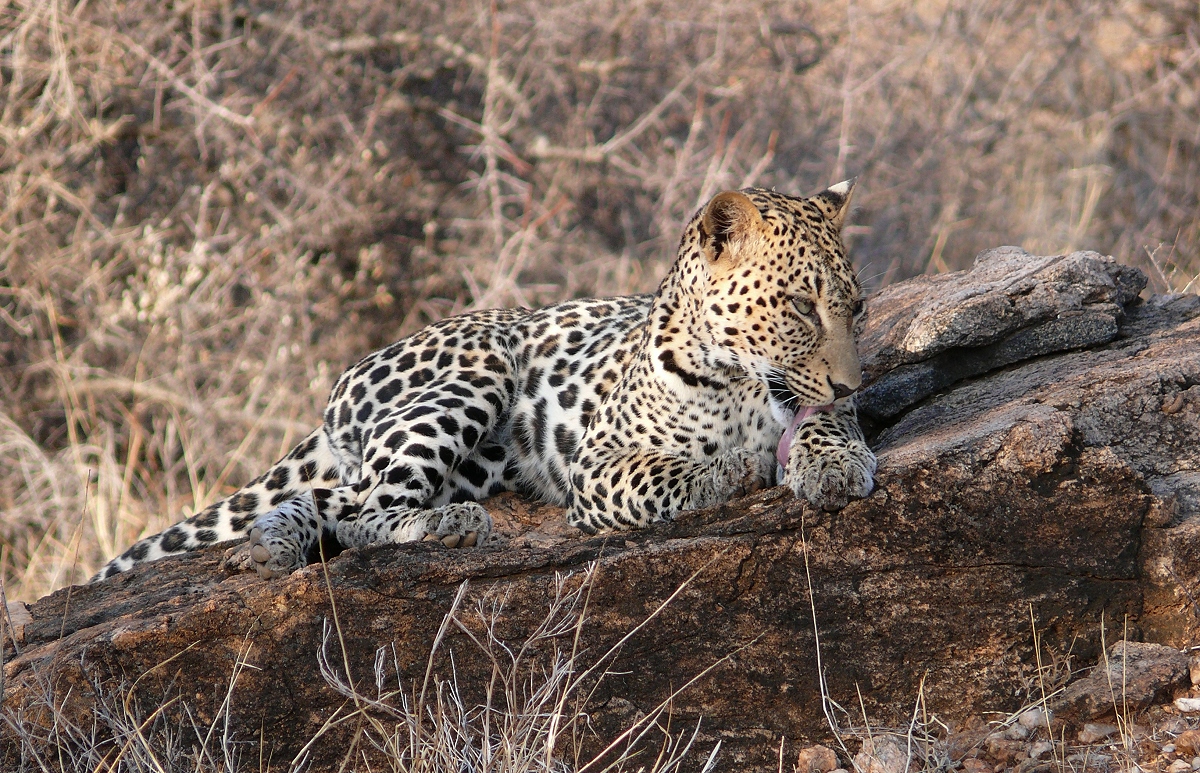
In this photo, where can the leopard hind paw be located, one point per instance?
(280, 540)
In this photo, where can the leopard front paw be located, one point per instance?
(735, 473)
(829, 477)
(274, 555)
(462, 525)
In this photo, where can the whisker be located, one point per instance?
(865, 266)
(867, 280)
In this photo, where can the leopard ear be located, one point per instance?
(834, 202)
(728, 214)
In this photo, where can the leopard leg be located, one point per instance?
(288, 537)
(311, 464)
(454, 518)
(460, 524)
(285, 538)
(488, 471)
(427, 458)
(657, 486)
(829, 462)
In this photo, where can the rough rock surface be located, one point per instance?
(1052, 481)
(1131, 677)
(816, 759)
(930, 332)
(883, 754)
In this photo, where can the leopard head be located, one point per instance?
(782, 303)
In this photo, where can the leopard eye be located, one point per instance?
(858, 307)
(804, 306)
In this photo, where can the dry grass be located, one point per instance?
(208, 208)
(531, 717)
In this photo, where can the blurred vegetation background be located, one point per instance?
(209, 208)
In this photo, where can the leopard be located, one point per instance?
(740, 372)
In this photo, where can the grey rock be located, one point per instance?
(908, 384)
(1095, 732)
(883, 754)
(930, 333)
(1040, 749)
(1034, 718)
(1008, 289)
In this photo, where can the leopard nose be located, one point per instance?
(841, 390)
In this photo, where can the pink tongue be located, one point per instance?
(785, 442)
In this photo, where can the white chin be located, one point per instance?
(782, 415)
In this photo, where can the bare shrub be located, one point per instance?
(209, 208)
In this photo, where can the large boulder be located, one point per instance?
(1037, 425)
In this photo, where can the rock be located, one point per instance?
(1188, 743)
(1030, 765)
(1137, 675)
(1090, 760)
(1187, 705)
(1094, 732)
(1011, 306)
(16, 617)
(1034, 718)
(883, 754)
(1017, 732)
(976, 765)
(1004, 749)
(1172, 726)
(1061, 484)
(816, 759)
(967, 739)
(1180, 766)
(1040, 749)
(1194, 668)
